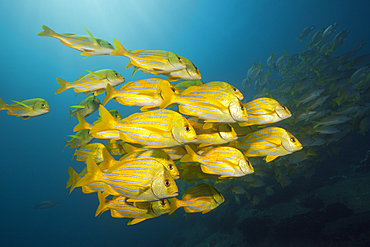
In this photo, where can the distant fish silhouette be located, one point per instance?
(46, 204)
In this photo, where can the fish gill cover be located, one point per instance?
(204, 145)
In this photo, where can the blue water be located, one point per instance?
(222, 38)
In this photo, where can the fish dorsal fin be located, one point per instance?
(91, 37)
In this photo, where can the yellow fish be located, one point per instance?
(157, 154)
(265, 111)
(95, 150)
(92, 83)
(26, 108)
(271, 142)
(86, 107)
(157, 129)
(82, 137)
(89, 45)
(137, 179)
(201, 198)
(175, 153)
(139, 212)
(223, 161)
(212, 104)
(220, 134)
(147, 93)
(153, 61)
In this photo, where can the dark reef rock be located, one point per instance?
(312, 202)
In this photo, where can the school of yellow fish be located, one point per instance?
(201, 134)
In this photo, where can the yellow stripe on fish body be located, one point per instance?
(201, 198)
(265, 111)
(213, 104)
(154, 61)
(92, 82)
(224, 161)
(271, 142)
(158, 128)
(147, 93)
(156, 154)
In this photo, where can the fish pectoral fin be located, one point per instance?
(26, 117)
(158, 69)
(135, 221)
(148, 107)
(269, 158)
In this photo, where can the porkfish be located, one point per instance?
(137, 212)
(152, 61)
(212, 104)
(92, 83)
(147, 93)
(153, 129)
(89, 45)
(270, 142)
(26, 108)
(265, 111)
(86, 107)
(139, 180)
(95, 150)
(202, 198)
(223, 161)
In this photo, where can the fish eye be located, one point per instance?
(163, 202)
(116, 74)
(242, 107)
(187, 128)
(179, 59)
(43, 105)
(292, 139)
(170, 166)
(167, 183)
(234, 89)
(284, 108)
(174, 90)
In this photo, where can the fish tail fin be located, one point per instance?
(110, 93)
(107, 121)
(191, 156)
(128, 148)
(108, 160)
(70, 114)
(297, 102)
(64, 85)
(337, 100)
(310, 151)
(47, 32)
(299, 38)
(120, 50)
(3, 105)
(82, 124)
(187, 170)
(168, 97)
(93, 173)
(174, 204)
(102, 204)
(71, 171)
(65, 145)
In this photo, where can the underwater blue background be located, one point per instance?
(222, 38)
